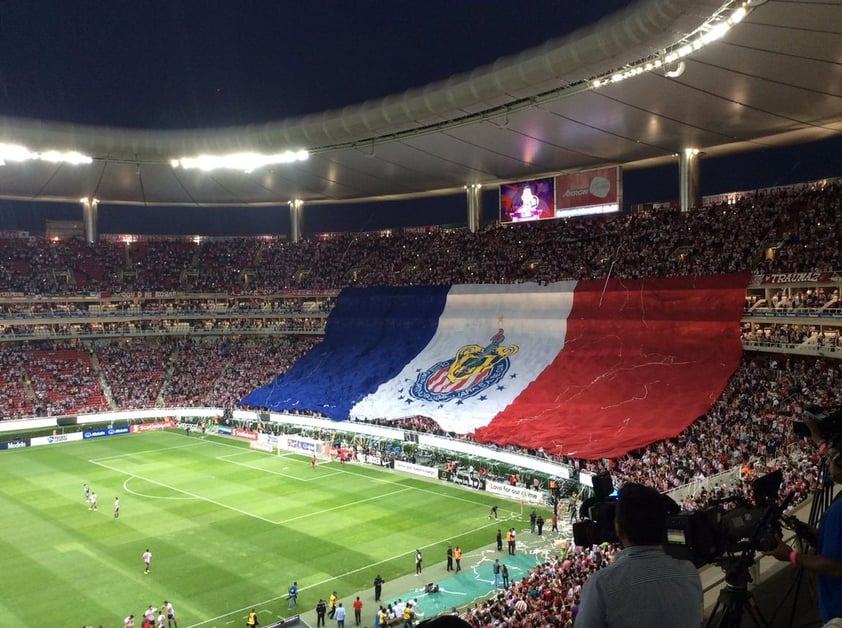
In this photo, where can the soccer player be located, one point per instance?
(87, 490)
(147, 561)
(117, 508)
(313, 461)
(128, 622)
(162, 619)
(93, 501)
(493, 513)
(170, 614)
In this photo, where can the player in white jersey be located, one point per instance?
(147, 561)
(170, 615)
(93, 501)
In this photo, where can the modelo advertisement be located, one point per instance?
(109, 431)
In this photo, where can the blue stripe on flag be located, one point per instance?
(370, 336)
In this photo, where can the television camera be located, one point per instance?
(827, 418)
(716, 533)
(728, 537)
(726, 528)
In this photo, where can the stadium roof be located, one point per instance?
(636, 88)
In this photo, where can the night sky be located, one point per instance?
(184, 63)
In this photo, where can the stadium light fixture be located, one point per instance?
(245, 162)
(676, 71)
(729, 14)
(18, 153)
(15, 152)
(68, 157)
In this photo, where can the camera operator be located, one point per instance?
(826, 563)
(643, 586)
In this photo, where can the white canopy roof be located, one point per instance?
(773, 79)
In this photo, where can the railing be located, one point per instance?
(797, 348)
(801, 312)
(693, 488)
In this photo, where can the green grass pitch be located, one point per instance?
(228, 527)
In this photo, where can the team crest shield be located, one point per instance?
(472, 370)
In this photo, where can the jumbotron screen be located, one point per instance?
(523, 201)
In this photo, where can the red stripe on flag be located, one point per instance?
(642, 360)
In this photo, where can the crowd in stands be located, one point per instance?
(548, 595)
(817, 337)
(749, 426)
(166, 327)
(809, 299)
(781, 231)
(750, 423)
(164, 306)
(63, 381)
(53, 379)
(172, 368)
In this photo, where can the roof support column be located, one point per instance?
(296, 219)
(688, 179)
(90, 210)
(474, 197)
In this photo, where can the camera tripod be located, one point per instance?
(735, 599)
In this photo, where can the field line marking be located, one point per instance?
(144, 495)
(145, 451)
(285, 475)
(342, 506)
(194, 495)
(324, 582)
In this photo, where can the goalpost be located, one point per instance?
(291, 443)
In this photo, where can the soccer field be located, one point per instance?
(228, 527)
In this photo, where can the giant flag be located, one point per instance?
(587, 369)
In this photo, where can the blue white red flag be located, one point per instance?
(588, 369)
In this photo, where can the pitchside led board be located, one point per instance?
(563, 196)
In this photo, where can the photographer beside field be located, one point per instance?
(643, 586)
(826, 563)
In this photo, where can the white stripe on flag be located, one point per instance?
(532, 318)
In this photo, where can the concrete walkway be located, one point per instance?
(475, 582)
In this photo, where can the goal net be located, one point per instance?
(301, 445)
